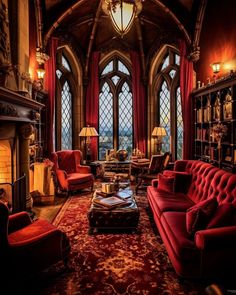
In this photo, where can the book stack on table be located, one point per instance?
(120, 198)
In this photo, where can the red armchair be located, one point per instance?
(69, 172)
(27, 247)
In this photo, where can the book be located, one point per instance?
(110, 202)
(103, 194)
(124, 194)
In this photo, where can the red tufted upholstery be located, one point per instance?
(169, 212)
(69, 172)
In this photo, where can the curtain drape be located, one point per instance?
(186, 86)
(139, 104)
(92, 101)
(50, 86)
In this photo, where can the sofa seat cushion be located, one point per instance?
(163, 201)
(77, 178)
(181, 242)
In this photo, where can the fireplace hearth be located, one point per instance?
(18, 115)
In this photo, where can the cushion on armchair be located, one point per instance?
(199, 215)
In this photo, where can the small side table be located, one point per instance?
(97, 168)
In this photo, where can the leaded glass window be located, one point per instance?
(115, 108)
(65, 63)
(59, 73)
(169, 107)
(66, 117)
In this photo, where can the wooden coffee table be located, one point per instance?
(124, 217)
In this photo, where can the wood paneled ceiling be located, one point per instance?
(85, 25)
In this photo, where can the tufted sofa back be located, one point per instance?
(208, 181)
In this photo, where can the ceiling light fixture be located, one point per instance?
(122, 13)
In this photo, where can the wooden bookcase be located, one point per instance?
(213, 104)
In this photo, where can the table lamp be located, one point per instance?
(159, 132)
(88, 132)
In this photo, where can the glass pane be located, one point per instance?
(166, 62)
(172, 73)
(59, 74)
(105, 121)
(122, 68)
(165, 115)
(108, 68)
(65, 63)
(177, 59)
(179, 125)
(115, 79)
(66, 118)
(125, 118)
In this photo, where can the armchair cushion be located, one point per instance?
(83, 169)
(18, 221)
(76, 178)
(199, 215)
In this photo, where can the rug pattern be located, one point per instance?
(114, 264)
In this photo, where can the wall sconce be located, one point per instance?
(216, 67)
(159, 132)
(40, 73)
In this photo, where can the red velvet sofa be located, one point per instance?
(208, 252)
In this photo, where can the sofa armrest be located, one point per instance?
(18, 221)
(216, 237)
(83, 169)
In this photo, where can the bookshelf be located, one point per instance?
(215, 105)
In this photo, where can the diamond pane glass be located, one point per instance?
(105, 120)
(166, 62)
(172, 73)
(59, 74)
(66, 117)
(108, 68)
(115, 79)
(125, 118)
(177, 59)
(179, 125)
(65, 63)
(165, 115)
(122, 68)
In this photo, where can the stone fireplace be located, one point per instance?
(18, 115)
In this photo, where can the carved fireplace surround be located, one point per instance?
(18, 114)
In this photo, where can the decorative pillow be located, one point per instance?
(182, 180)
(223, 216)
(166, 183)
(199, 215)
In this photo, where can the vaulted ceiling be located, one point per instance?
(84, 24)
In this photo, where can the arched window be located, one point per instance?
(64, 104)
(168, 108)
(115, 107)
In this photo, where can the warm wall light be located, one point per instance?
(159, 132)
(40, 73)
(122, 13)
(216, 67)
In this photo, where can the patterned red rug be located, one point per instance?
(108, 263)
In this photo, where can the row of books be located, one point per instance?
(202, 134)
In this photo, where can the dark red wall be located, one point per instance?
(218, 39)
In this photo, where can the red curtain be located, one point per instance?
(139, 102)
(50, 85)
(92, 101)
(186, 86)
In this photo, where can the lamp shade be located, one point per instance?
(88, 131)
(159, 131)
(122, 13)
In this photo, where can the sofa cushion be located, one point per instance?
(182, 180)
(166, 183)
(182, 244)
(223, 216)
(199, 215)
(162, 201)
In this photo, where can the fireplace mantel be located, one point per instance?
(16, 107)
